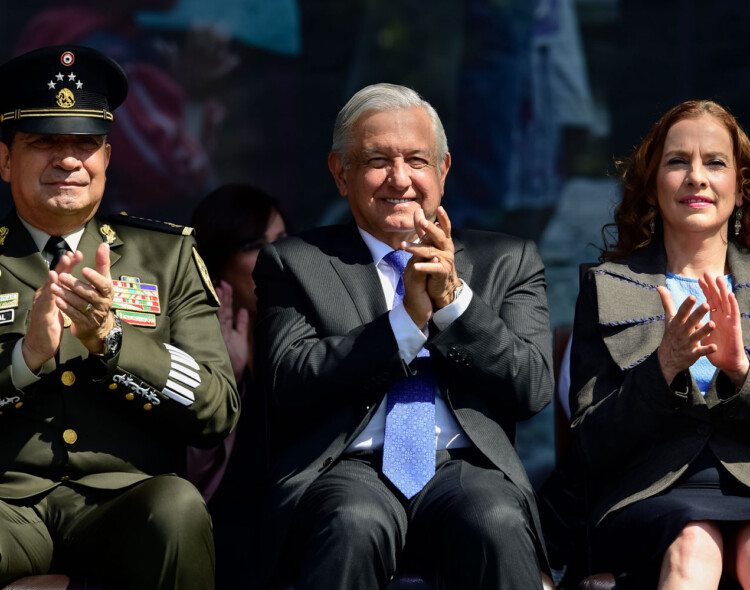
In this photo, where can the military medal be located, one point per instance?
(135, 302)
(8, 300)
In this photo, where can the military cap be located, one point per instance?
(61, 90)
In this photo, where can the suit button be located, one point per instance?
(703, 429)
(70, 436)
(68, 378)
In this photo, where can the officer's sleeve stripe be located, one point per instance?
(182, 390)
(176, 396)
(189, 373)
(177, 375)
(181, 356)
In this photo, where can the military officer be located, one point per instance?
(111, 357)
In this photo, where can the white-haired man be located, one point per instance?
(398, 360)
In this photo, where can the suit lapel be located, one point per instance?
(631, 316)
(20, 255)
(740, 269)
(353, 263)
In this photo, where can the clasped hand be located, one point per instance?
(686, 338)
(430, 277)
(87, 304)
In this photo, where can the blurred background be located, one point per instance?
(538, 97)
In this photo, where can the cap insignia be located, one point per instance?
(65, 99)
(67, 58)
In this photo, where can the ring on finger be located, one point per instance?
(88, 308)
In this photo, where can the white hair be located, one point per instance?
(382, 97)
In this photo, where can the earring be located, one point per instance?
(738, 222)
(652, 221)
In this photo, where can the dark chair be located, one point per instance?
(561, 335)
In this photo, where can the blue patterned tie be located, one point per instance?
(409, 444)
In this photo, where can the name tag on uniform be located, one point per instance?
(7, 316)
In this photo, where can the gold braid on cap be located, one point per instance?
(38, 113)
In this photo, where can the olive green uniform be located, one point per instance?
(97, 429)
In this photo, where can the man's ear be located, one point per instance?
(445, 165)
(336, 166)
(4, 162)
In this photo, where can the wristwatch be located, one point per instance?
(457, 290)
(113, 340)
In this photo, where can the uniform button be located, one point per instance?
(147, 407)
(703, 429)
(130, 397)
(70, 436)
(113, 386)
(19, 404)
(68, 378)
(65, 478)
(367, 408)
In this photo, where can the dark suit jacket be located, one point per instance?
(327, 354)
(110, 425)
(635, 434)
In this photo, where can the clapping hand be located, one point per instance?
(726, 336)
(234, 329)
(87, 303)
(686, 338)
(430, 277)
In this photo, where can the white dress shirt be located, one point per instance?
(410, 339)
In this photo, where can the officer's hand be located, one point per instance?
(45, 331)
(88, 304)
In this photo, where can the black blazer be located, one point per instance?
(326, 353)
(635, 433)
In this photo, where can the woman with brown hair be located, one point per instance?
(661, 413)
(232, 223)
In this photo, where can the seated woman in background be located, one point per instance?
(659, 369)
(231, 224)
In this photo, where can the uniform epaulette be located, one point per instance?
(165, 226)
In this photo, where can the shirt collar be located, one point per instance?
(40, 237)
(377, 248)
